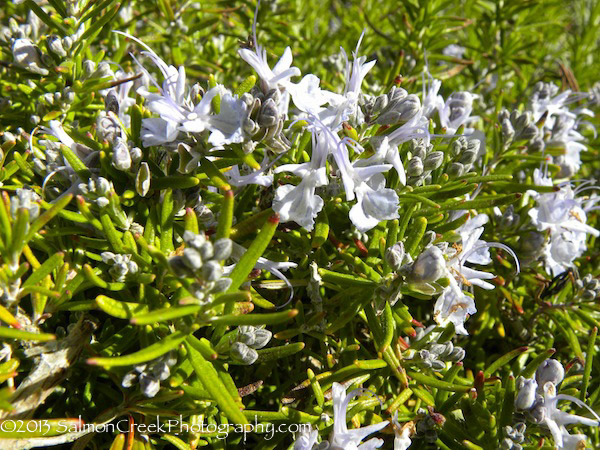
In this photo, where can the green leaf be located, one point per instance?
(161, 315)
(167, 216)
(283, 351)
(247, 262)
(504, 360)
(589, 358)
(95, 28)
(119, 309)
(343, 279)
(213, 384)
(255, 319)
(78, 166)
(12, 333)
(44, 218)
(149, 353)
(45, 269)
(225, 216)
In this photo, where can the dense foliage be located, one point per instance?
(376, 218)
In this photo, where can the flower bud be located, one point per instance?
(268, 114)
(458, 146)
(67, 42)
(508, 132)
(121, 159)
(437, 365)
(429, 266)
(207, 251)
(468, 157)
(240, 352)
(550, 371)
(48, 98)
(433, 161)
(415, 167)
(261, 338)
(526, 395)
(142, 180)
(222, 249)
(149, 385)
(250, 127)
(212, 271)
(28, 199)
(456, 169)
(136, 154)
(529, 132)
(246, 334)
(27, 56)
(380, 103)
(55, 45)
(178, 266)
(192, 258)
(221, 285)
(194, 240)
(457, 354)
(111, 102)
(394, 255)
(89, 67)
(442, 350)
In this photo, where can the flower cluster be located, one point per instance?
(246, 229)
(538, 397)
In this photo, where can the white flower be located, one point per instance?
(564, 216)
(472, 250)
(200, 118)
(453, 305)
(555, 419)
(282, 71)
(416, 128)
(299, 203)
(402, 434)
(526, 396)
(454, 50)
(541, 401)
(343, 439)
(156, 131)
(374, 203)
(345, 106)
(432, 101)
(177, 111)
(226, 127)
(309, 97)
(388, 153)
(306, 439)
(236, 179)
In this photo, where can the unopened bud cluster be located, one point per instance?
(120, 265)
(422, 161)
(248, 340)
(589, 288)
(201, 259)
(150, 375)
(465, 152)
